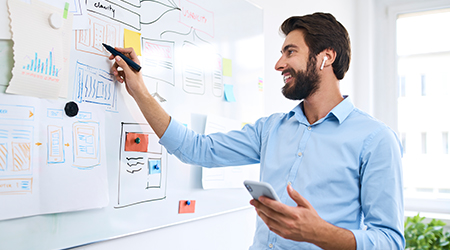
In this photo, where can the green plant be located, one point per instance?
(422, 236)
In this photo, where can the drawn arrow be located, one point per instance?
(31, 114)
(38, 144)
(171, 7)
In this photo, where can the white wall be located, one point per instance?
(235, 230)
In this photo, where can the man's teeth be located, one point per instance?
(286, 78)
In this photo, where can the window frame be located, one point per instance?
(387, 90)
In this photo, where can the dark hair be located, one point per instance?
(323, 31)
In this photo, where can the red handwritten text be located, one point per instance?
(42, 77)
(190, 14)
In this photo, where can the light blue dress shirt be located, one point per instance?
(347, 165)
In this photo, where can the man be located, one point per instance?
(344, 165)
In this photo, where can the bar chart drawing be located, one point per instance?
(45, 66)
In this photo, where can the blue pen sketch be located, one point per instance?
(55, 113)
(16, 112)
(84, 115)
(93, 85)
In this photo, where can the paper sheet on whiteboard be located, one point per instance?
(226, 177)
(76, 7)
(41, 53)
(50, 162)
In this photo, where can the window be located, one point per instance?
(423, 65)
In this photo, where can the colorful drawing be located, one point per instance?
(90, 40)
(142, 174)
(16, 112)
(38, 65)
(159, 60)
(86, 148)
(16, 186)
(95, 86)
(3, 155)
(55, 144)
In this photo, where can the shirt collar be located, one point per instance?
(341, 111)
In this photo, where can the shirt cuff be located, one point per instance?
(173, 136)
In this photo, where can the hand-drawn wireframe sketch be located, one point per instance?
(15, 159)
(86, 144)
(158, 60)
(142, 167)
(199, 59)
(119, 11)
(55, 144)
(101, 31)
(197, 17)
(193, 70)
(93, 85)
(115, 12)
(217, 76)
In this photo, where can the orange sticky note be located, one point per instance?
(186, 207)
(136, 142)
(132, 39)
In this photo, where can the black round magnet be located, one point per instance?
(71, 109)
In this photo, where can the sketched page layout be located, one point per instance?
(41, 53)
(49, 162)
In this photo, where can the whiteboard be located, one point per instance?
(184, 44)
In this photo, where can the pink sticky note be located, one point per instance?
(184, 208)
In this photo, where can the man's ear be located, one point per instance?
(327, 57)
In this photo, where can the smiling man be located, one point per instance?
(336, 169)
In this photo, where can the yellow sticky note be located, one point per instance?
(132, 39)
(227, 67)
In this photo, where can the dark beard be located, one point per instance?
(306, 82)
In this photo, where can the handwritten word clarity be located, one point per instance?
(105, 7)
(190, 14)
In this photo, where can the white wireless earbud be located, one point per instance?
(323, 63)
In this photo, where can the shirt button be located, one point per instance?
(289, 183)
(300, 154)
(271, 245)
(309, 128)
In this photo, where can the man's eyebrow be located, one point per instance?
(289, 46)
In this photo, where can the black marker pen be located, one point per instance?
(130, 63)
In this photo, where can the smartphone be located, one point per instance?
(257, 189)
